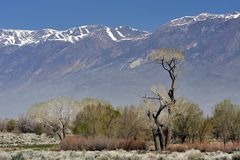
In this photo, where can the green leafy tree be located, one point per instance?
(96, 119)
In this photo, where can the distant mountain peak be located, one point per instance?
(187, 20)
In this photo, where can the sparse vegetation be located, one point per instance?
(205, 147)
(116, 155)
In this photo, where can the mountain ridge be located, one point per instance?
(203, 16)
(72, 35)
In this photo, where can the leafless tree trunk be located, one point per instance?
(168, 59)
(155, 139)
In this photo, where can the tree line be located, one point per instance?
(95, 118)
(88, 117)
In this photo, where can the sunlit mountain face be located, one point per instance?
(110, 63)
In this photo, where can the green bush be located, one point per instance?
(11, 124)
(38, 130)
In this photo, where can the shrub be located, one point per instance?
(205, 147)
(38, 130)
(11, 124)
(24, 124)
(2, 125)
(4, 156)
(194, 155)
(131, 145)
(17, 156)
(92, 144)
(72, 143)
(99, 144)
(236, 156)
(177, 147)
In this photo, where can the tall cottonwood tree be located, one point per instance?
(169, 60)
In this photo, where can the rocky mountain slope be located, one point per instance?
(110, 63)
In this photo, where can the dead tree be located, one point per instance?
(169, 60)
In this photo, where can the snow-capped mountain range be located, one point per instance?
(72, 35)
(187, 20)
(110, 62)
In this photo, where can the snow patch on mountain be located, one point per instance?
(187, 20)
(191, 45)
(137, 62)
(120, 34)
(108, 30)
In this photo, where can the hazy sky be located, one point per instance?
(143, 14)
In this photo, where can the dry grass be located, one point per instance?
(92, 144)
(206, 147)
